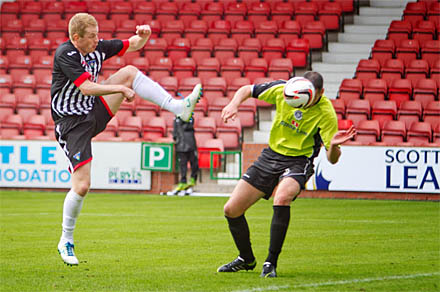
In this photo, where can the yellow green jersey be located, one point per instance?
(297, 132)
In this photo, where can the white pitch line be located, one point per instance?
(334, 283)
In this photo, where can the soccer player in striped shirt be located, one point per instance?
(82, 107)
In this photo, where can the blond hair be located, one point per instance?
(79, 22)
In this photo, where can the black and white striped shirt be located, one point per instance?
(71, 69)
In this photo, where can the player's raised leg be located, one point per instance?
(150, 90)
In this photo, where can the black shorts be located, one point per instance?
(270, 167)
(75, 133)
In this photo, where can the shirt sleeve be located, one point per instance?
(268, 91)
(329, 126)
(113, 47)
(70, 64)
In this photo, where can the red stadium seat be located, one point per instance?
(339, 106)
(383, 50)
(408, 50)
(298, 50)
(273, 48)
(424, 31)
(160, 68)
(218, 30)
(391, 70)
(230, 133)
(375, 89)
(266, 30)
(409, 111)
(400, 90)
(258, 11)
(155, 49)
(166, 11)
(249, 50)
(130, 128)
(153, 128)
(235, 11)
(206, 127)
(232, 69)
(282, 11)
(179, 48)
(399, 30)
(213, 88)
(247, 113)
(281, 68)
(216, 107)
(257, 67)
(350, 89)
(368, 131)
(331, 15)
(8, 102)
(172, 29)
(204, 149)
(143, 10)
(225, 49)
(201, 49)
(416, 70)
(212, 11)
(197, 29)
(11, 126)
(430, 51)
(34, 126)
(184, 67)
(186, 85)
(357, 110)
(315, 32)
(242, 29)
(420, 133)
(393, 132)
(235, 84)
(431, 113)
(344, 124)
(208, 68)
(305, 12)
(425, 91)
(189, 12)
(144, 107)
(289, 30)
(414, 12)
(384, 110)
(367, 69)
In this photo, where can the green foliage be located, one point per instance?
(159, 243)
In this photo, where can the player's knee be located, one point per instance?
(82, 187)
(130, 70)
(230, 211)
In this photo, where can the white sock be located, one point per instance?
(72, 207)
(152, 91)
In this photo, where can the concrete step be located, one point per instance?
(363, 38)
(349, 48)
(343, 58)
(372, 20)
(333, 77)
(382, 11)
(334, 67)
(370, 29)
(265, 125)
(389, 3)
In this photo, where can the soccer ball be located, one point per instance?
(299, 92)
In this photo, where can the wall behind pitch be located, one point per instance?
(42, 164)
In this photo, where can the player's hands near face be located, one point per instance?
(229, 112)
(343, 136)
(143, 31)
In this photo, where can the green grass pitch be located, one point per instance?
(127, 242)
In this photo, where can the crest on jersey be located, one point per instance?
(298, 115)
(77, 156)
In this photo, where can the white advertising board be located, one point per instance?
(42, 164)
(379, 169)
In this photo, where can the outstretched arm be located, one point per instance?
(231, 109)
(334, 152)
(143, 33)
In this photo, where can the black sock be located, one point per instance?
(240, 233)
(278, 230)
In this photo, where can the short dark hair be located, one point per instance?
(315, 78)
